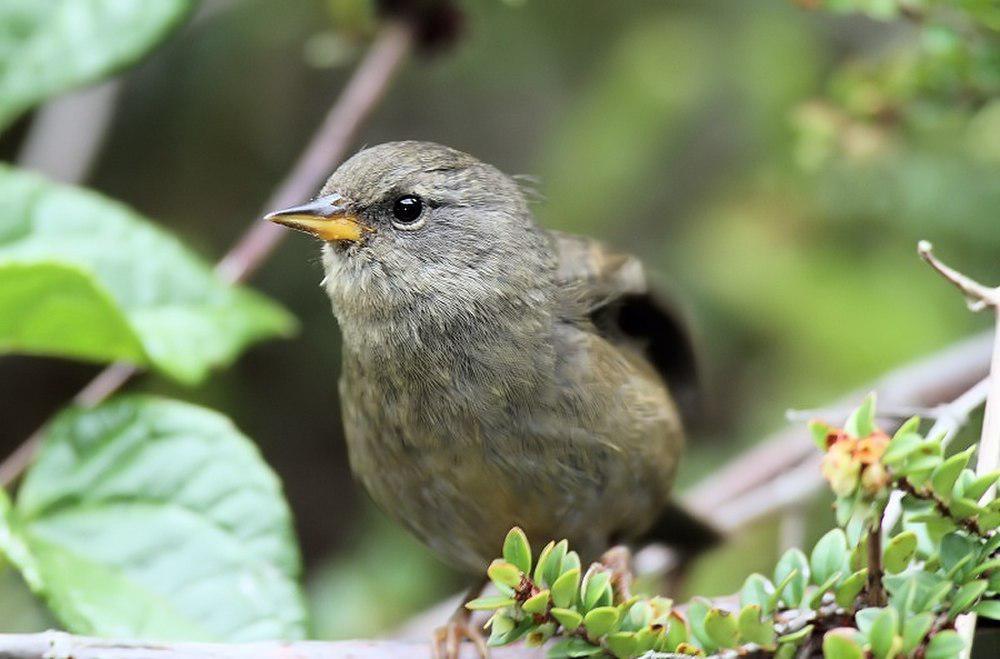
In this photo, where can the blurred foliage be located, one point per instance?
(776, 160)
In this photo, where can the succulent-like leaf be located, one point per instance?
(966, 597)
(945, 474)
(840, 646)
(819, 431)
(595, 589)
(537, 603)
(861, 423)
(503, 573)
(565, 588)
(573, 647)
(568, 618)
(945, 644)
(757, 590)
(516, 550)
(697, 611)
(977, 488)
(830, 555)
(901, 446)
(883, 634)
(542, 565)
(795, 638)
(850, 588)
(988, 609)
(753, 629)
(571, 561)
(915, 628)
(676, 632)
(792, 560)
(899, 551)
(722, 627)
(489, 603)
(600, 621)
(622, 644)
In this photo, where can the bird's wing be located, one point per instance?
(627, 311)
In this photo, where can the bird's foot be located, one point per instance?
(448, 638)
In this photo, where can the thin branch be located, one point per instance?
(58, 644)
(978, 296)
(66, 134)
(326, 149)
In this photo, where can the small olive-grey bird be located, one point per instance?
(494, 373)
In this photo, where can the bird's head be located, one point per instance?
(416, 225)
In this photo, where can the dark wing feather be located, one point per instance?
(627, 311)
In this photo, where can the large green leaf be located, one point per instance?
(50, 46)
(152, 518)
(85, 277)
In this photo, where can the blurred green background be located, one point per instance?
(775, 164)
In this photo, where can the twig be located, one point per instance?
(874, 592)
(66, 134)
(950, 419)
(926, 382)
(327, 148)
(51, 644)
(979, 297)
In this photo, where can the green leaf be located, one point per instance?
(756, 590)
(915, 628)
(516, 550)
(622, 644)
(571, 561)
(568, 618)
(883, 637)
(543, 565)
(697, 611)
(676, 632)
(538, 603)
(503, 573)
(795, 638)
(955, 547)
(600, 621)
(596, 589)
(840, 646)
(865, 619)
(988, 609)
(861, 423)
(84, 277)
(819, 431)
(157, 519)
(946, 644)
(506, 630)
(899, 551)
(48, 47)
(721, 626)
(966, 596)
(901, 447)
(945, 474)
(911, 425)
(753, 629)
(977, 488)
(850, 588)
(830, 555)
(564, 589)
(488, 603)
(829, 584)
(964, 508)
(573, 647)
(792, 560)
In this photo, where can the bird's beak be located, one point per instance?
(326, 218)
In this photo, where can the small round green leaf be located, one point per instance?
(838, 645)
(600, 621)
(722, 627)
(945, 645)
(565, 588)
(503, 573)
(568, 618)
(537, 604)
(899, 551)
(516, 550)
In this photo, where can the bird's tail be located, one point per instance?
(682, 531)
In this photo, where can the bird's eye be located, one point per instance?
(407, 210)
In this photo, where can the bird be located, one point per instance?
(494, 373)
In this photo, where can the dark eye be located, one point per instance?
(407, 209)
